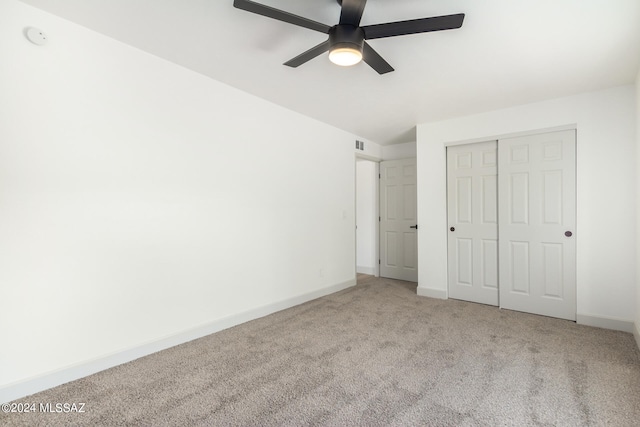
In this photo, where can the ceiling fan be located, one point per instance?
(346, 43)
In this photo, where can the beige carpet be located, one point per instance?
(375, 354)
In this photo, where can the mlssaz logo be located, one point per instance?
(62, 408)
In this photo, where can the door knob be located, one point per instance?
(568, 233)
(414, 226)
(452, 229)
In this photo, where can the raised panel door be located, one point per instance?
(398, 220)
(537, 219)
(473, 222)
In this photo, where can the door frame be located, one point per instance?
(445, 294)
(376, 192)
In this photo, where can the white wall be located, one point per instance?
(406, 150)
(366, 216)
(140, 201)
(606, 191)
(637, 328)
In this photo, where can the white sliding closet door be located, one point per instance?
(473, 222)
(537, 217)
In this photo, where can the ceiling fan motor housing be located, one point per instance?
(346, 36)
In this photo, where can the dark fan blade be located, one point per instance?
(374, 60)
(308, 55)
(414, 26)
(351, 13)
(280, 15)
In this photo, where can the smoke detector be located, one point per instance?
(36, 36)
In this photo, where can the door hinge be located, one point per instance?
(378, 261)
(379, 176)
(379, 218)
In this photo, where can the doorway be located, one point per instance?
(367, 217)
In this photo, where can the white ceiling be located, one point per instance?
(508, 52)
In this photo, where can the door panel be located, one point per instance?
(410, 202)
(489, 200)
(464, 252)
(553, 267)
(410, 256)
(391, 257)
(536, 207)
(519, 195)
(473, 215)
(463, 195)
(490, 263)
(391, 207)
(519, 268)
(398, 208)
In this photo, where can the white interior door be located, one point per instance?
(473, 222)
(537, 217)
(398, 216)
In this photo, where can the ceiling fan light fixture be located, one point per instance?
(345, 56)
(347, 42)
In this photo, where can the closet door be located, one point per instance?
(537, 220)
(473, 222)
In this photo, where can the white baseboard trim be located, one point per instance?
(636, 334)
(605, 322)
(49, 380)
(366, 270)
(432, 293)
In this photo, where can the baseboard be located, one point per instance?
(366, 270)
(636, 334)
(605, 322)
(432, 293)
(70, 373)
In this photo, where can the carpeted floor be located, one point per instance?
(374, 354)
